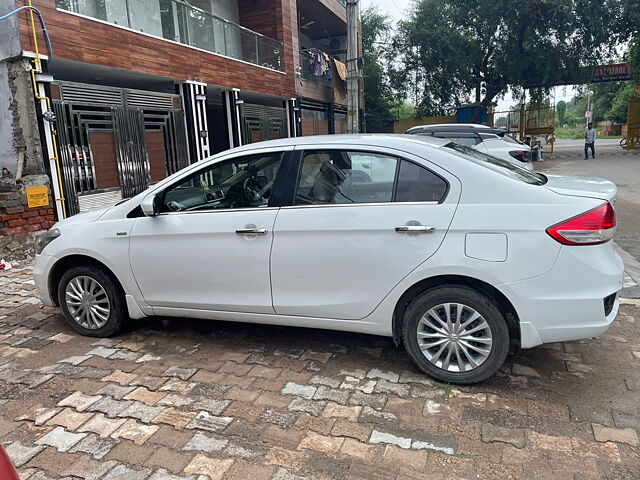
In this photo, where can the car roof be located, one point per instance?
(455, 127)
(391, 140)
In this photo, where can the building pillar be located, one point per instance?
(293, 117)
(331, 118)
(26, 205)
(194, 101)
(231, 101)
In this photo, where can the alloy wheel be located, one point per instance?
(454, 337)
(87, 302)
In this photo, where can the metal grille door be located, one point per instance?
(116, 140)
(261, 122)
(132, 154)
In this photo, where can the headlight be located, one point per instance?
(45, 239)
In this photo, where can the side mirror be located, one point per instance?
(149, 205)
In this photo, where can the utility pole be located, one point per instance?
(353, 67)
(589, 117)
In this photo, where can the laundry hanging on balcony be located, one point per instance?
(339, 85)
(320, 64)
(341, 68)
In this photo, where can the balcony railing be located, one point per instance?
(179, 22)
(305, 66)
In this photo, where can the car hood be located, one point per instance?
(84, 217)
(591, 187)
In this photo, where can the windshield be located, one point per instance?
(497, 164)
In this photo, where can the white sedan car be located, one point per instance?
(454, 253)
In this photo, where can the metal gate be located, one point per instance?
(261, 122)
(103, 135)
(524, 122)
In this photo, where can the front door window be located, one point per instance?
(244, 182)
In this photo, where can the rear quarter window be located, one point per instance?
(417, 184)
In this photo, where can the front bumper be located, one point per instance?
(568, 303)
(41, 270)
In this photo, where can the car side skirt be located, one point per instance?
(356, 326)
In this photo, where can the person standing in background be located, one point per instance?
(589, 141)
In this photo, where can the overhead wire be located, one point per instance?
(393, 2)
(44, 26)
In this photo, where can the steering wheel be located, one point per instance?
(252, 189)
(175, 206)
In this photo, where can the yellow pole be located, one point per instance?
(38, 69)
(37, 61)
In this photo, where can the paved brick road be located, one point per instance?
(215, 400)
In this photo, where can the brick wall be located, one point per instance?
(16, 218)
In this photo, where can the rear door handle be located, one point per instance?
(255, 231)
(415, 229)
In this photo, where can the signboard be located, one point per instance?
(611, 73)
(38, 196)
(588, 114)
(594, 74)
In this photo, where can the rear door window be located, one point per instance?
(343, 177)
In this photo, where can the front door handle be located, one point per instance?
(248, 231)
(415, 229)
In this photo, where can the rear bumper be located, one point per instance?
(568, 303)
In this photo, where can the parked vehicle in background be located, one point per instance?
(494, 141)
(454, 253)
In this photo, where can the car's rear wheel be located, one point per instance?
(92, 302)
(456, 334)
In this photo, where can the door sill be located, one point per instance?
(359, 326)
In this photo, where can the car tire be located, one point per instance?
(469, 361)
(102, 312)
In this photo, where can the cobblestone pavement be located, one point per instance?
(197, 400)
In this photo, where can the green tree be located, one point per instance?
(406, 110)
(630, 33)
(576, 109)
(561, 111)
(619, 106)
(604, 96)
(379, 98)
(608, 100)
(452, 47)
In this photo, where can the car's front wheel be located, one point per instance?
(92, 302)
(456, 334)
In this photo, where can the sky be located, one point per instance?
(397, 9)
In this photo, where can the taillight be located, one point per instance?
(590, 228)
(519, 155)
